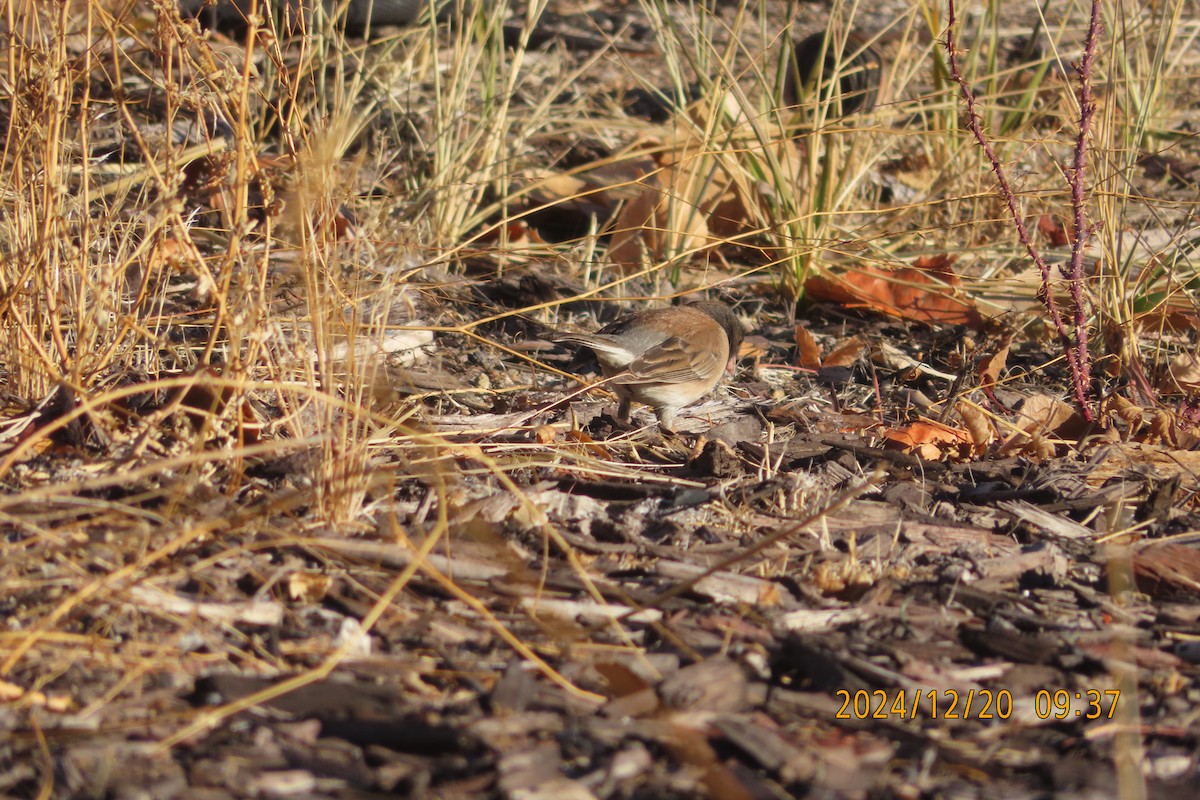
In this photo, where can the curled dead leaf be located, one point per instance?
(991, 366)
(808, 354)
(1128, 412)
(978, 426)
(698, 197)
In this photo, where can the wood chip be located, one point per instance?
(255, 612)
(727, 587)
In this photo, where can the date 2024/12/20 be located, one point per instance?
(1060, 704)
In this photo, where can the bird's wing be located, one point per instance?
(673, 361)
(598, 343)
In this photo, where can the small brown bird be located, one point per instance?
(666, 358)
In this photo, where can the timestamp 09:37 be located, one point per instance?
(1058, 704)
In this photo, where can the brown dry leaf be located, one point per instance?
(929, 440)
(1041, 419)
(1175, 314)
(716, 685)
(621, 679)
(691, 748)
(1182, 374)
(1162, 427)
(669, 216)
(1123, 409)
(661, 221)
(596, 449)
(1052, 229)
(729, 215)
(1047, 414)
(928, 291)
(697, 196)
(991, 366)
(914, 172)
(1186, 435)
(557, 186)
(560, 197)
(205, 403)
(847, 353)
(309, 587)
(754, 347)
(808, 354)
(978, 426)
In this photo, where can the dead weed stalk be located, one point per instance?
(1073, 336)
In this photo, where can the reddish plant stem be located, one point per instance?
(1075, 347)
(1073, 272)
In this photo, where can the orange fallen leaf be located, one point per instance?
(928, 291)
(808, 354)
(846, 353)
(930, 440)
(991, 366)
